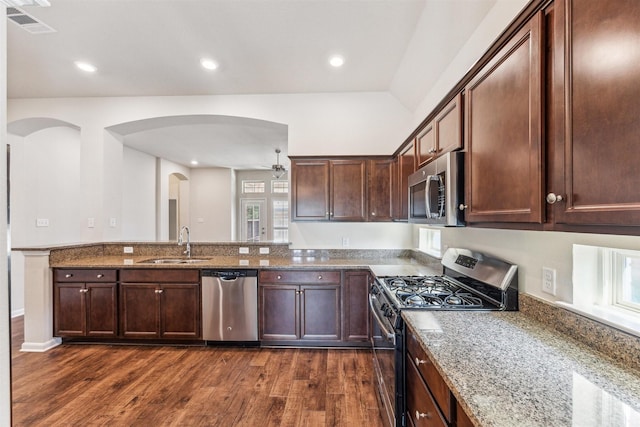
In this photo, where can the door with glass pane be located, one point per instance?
(253, 220)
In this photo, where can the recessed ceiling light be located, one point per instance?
(194, 162)
(336, 61)
(208, 64)
(85, 66)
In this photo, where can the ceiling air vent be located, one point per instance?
(27, 22)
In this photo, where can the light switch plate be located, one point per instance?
(91, 222)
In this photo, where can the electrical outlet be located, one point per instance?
(113, 222)
(549, 280)
(345, 242)
(244, 250)
(91, 222)
(128, 249)
(264, 251)
(42, 222)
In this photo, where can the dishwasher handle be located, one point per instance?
(229, 275)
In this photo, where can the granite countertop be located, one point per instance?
(379, 266)
(506, 369)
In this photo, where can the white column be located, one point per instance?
(38, 303)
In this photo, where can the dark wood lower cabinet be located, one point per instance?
(299, 306)
(159, 310)
(85, 303)
(355, 288)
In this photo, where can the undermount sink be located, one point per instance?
(172, 261)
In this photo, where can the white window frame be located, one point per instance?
(273, 185)
(254, 181)
(615, 266)
(273, 222)
(596, 276)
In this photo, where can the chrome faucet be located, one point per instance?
(180, 240)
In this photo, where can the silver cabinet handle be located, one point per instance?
(278, 277)
(373, 214)
(433, 151)
(100, 276)
(423, 415)
(68, 275)
(462, 207)
(553, 197)
(420, 361)
(159, 291)
(84, 291)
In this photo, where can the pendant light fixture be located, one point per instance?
(278, 170)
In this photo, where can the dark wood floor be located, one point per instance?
(90, 385)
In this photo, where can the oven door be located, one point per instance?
(387, 345)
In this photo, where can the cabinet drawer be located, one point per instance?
(299, 276)
(430, 375)
(84, 275)
(160, 275)
(421, 408)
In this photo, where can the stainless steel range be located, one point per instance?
(470, 281)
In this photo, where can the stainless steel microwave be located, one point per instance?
(436, 191)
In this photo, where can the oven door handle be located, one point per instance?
(390, 336)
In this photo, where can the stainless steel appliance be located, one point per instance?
(436, 191)
(230, 305)
(470, 281)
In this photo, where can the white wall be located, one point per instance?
(138, 221)
(45, 184)
(211, 210)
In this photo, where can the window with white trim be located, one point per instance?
(249, 187)
(280, 220)
(280, 187)
(429, 241)
(606, 286)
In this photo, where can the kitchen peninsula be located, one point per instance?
(488, 361)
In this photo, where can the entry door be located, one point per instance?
(253, 221)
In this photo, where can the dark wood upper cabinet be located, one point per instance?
(596, 111)
(380, 189)
(406, 165)
(503, 133)
(442, 134)
(348, 190)
(310, 190)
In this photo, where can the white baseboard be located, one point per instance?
(40, 347)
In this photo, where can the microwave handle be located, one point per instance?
(430, 180)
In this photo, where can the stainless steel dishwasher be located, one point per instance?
(230, 305)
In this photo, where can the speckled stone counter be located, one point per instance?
(507, 370)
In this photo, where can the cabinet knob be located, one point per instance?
(100, 276)
(462, 206)
(278, 277)
(373, 214)
(553, 197)
(433, 151)
(319, 276)
(420, 361)
(84, 291)
(423, 415)
(159, 291)
(68, 275)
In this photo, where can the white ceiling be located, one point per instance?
(153, 47)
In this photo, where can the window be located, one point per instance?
(279, 186)
(253, 186)
(429, 241)
(625, 279)
(280, 220)
(606, 286)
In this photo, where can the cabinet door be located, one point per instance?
(380, 190)
(426, 144)
(140, 310)
(180, 311)
(320, 312)
(101, 310)
(503, 118)
(355, 317)
(279, 312)
(421, 408)
(406, 166)
(310, 190)
(348, 190)
(69, 310)
(597, 106)
(448, 125)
